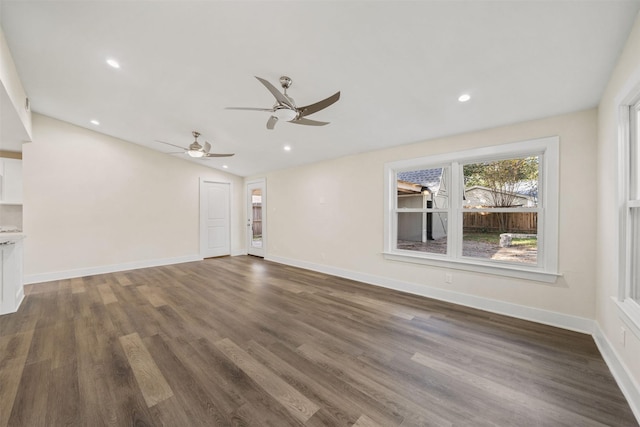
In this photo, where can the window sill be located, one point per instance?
(479, 267)
(629, 312)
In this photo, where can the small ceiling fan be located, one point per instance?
(285, 107)
(195, 149)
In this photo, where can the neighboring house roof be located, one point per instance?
(425, 177)
(527, 188)
(432, 179)
(481, 196)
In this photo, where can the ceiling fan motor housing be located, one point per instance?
(195, 146)
(284, 113)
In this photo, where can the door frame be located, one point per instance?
(249, 211)
(202, 221)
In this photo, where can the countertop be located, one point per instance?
(11, 237)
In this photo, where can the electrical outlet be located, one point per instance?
(448, 277)
(623, 336)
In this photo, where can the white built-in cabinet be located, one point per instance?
(15, 130)
(10, 181)
(11, 289)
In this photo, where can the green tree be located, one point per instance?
(504, 179)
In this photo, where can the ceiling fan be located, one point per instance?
(285, 108)
(195, 149)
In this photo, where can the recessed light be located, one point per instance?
(95, 122)
(464, 97)
(113, 63)
(225, 167)
(287, 148)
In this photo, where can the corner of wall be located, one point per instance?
(620, 372)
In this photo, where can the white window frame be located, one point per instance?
(629, 308)
(546, 269)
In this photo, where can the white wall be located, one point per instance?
(12, 85)
(625, 75)
(329, 216)
(92, 202)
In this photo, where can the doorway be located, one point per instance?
(215, 227)
(256, 217)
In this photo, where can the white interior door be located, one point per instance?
(215, 227)
(256, 217)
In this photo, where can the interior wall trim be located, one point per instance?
(538, 315)
(627, 384)
(103, 269)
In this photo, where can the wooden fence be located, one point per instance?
(257, 221)
(516, 222)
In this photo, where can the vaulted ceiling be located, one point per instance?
(400, 67)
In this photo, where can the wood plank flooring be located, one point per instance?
(244, 342)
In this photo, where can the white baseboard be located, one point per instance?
(103, 269)
(627, 384)
(552, 318)
(19, 297)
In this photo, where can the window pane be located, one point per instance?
(423, 188)
(634, 156)
(635, 254)
(633, 226)
(256, 220)
(510, 183)
(501, 236)
(422, 232)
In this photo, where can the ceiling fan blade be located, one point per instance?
(308, 122)
(272, 122)
(249, 109)
(276, 93)
(321, 105)
(218, 155)
(206, 147)
(173, 145)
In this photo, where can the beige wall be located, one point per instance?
(625, 75)
(91, 200)
(331, 214)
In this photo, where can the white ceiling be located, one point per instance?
(399, 65)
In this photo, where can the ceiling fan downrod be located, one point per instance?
(286, 83)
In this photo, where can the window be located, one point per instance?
(492, 209)
(633, 203)
(629, 298)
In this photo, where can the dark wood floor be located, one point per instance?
(241, 341)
